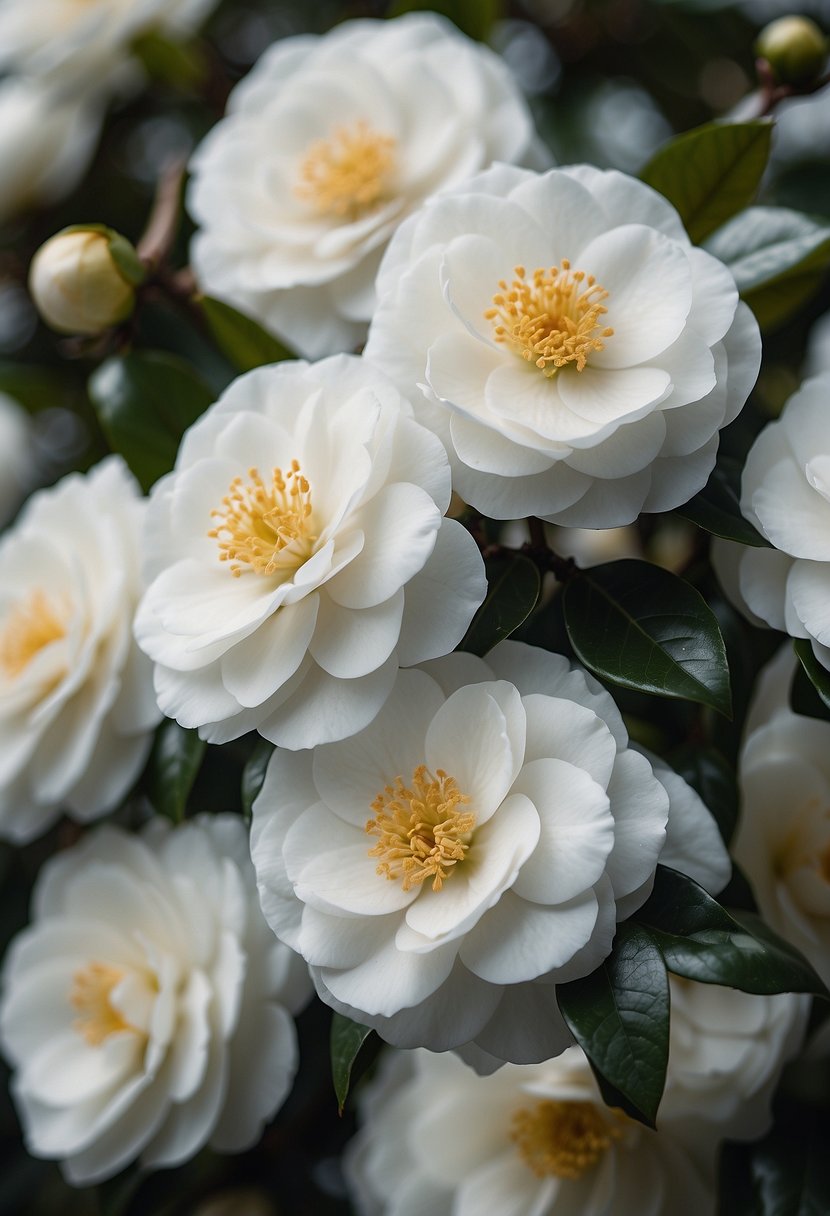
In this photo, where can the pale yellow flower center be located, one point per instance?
(266, 527)
(30, 626)
(90, 997)
(552, 318)
(565, 1139)
(349, 174)
(422, 832)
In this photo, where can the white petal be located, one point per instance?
(519, 941)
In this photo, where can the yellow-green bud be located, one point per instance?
(83, 279)
(794, 47)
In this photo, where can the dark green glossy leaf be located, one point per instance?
(712, 172)
(778, 258)
(619, 1015)
(640, 626)
(474, 17)
(790, 1168)
(347, 1038)
(700, 940)
(513, 586)
(708, 772)
(717, 508)
(240, 339)
(175, 761)
(145, 402)
(818, 676)
(253, 775)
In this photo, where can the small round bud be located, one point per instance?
(794, 47)
(83, 279)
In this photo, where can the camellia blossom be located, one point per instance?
(782, 842)
(77, 709)
(532, 1140)
(327, 145)
(576, 354)
(297, 554)
(474, 846)
(786, 495)
(146, 1009)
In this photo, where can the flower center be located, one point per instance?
(265, 528)
(564, 1139)
(30, 626)
(90, 997)
(551, 319)
(422, 833)
(349, 174)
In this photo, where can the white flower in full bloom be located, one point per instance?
(782, 842)
(16, 460)
(328, 144)
(76, 695)
(726, 1052)
(532, 1140)
(46, 142)
(576, 354)
(786, 495)
(146, 1008)
(474, 846)
(297, 554)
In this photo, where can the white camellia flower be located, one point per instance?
(146, 1008)
(16, 457)
(782, 842)
(576, 354)
(786, 495)
(76, 695)
(532, 1140)
(297, 554)
(328, 144)
(726, 1052)
(474, 846)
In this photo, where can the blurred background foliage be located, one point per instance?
(609, 82)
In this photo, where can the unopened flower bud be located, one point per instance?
(83, 279)
(794, 47)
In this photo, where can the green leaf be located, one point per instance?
(240, 339)
(474, 17)
(818, 676)
(712, 172)
(619, 1015)
(717, 508)
(513, 586)
(182, 64)
(712, 776)
(145, 402)
(347, 1038)
(777, 256)
(253, 775)
(790, 1168)
(637, 625)
(702, 941)
(175, 762)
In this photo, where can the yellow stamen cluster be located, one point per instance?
(422, 833)
(552, 318)
(348, 174)
(90, 997)
(265, 528)
(29, 627)
(565, 1139)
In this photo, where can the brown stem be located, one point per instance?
(158, 236)
(772, 93)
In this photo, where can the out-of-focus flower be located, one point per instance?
(297, 555)
(16, 457)
(76, 695)
(474, 846)
(786, 494)
(146, 1008)
(577, 355)
(328, 144)
(46, 141)
(527, 1141)
(782, 842)
(83, 279)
